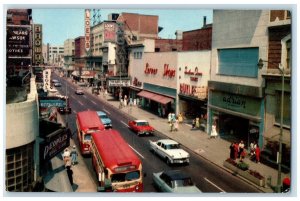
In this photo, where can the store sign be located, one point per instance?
(109, 32)
(87, 29)
(197, 91)
(18, 41)
(136, 82)
(56, 143)
(46, 79)
(234, 101)
(168, 72)
(148, 70)
(190, 72)
(118, 83)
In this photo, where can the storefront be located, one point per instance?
(238, 117)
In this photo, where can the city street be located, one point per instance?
(208, 177)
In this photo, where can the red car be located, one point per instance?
(141, 127)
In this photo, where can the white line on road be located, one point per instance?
(214, 185)
(94, 102)
(124, 123)
(137, 152)
(80, 103)
(106, 111)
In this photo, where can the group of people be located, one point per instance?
(198, 121)
(237, 151)
(70, 158)
(174, 121)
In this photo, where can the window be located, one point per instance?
(286, 108)
(238, 62)
(286, 52)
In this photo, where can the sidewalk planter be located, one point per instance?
(250, 175)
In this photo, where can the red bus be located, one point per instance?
(87, 122)
(115, 161)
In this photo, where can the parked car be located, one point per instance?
(79, 91)
(54, 81)
(57, 84)
(174, 181)
(105, 120)
(141, 127)
(170, 151)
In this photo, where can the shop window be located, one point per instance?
(286, 109)
(238, 62)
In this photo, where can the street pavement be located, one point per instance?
(214, 150)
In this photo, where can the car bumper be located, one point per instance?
(145, 132)
(181, 160)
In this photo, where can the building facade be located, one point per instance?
(69, 54)
(279, 55)
(56, 55)
(236, 100)
(21, 163)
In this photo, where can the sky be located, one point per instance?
(60, 24)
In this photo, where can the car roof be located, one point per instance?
(176, 174)
(168, 141)
(140, 120)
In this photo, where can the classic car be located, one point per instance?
(170, 151)
(174, 181)
(105, 120)
(141, 127)
(79, 91)
(57, 84)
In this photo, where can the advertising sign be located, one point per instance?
(87, 29)
(109, 32)
(117, 83)
(46, 79)
(54, 143)
(18, 41)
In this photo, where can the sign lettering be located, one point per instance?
(87, 29)
(168, 72)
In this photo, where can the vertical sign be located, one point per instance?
(46, 79)
(109, 32)
(87, 29)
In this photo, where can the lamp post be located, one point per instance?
(281, 69)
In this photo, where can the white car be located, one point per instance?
(170, 151)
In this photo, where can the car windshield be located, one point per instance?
(103, 116)
(172, 146)
(129, 176)
(183, 182)
(143, 123)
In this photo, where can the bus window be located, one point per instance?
(132, 176)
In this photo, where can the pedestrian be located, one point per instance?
(74, 155)
(193, 123)
(173, 117)
(176, 124)
(257, 154)
(232, 147)
(253, 146)
(171, 126)
(70, 175)
(214, 133)
(180, 118)
(169, 117)
(241, 149)
(66, 157)
(236, 150)
(197, 122)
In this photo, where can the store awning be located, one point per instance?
(155, 97)
(87, 74)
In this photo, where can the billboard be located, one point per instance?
(18, 41)
(109, 32)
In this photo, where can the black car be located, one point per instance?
(267, 158)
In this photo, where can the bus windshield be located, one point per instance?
(129, 176)
(87, 136)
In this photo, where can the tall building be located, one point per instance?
(69, 54)
(56, 55)
(21, 166)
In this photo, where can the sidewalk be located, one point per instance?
(214, 150)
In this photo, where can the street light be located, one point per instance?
(281, 69)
